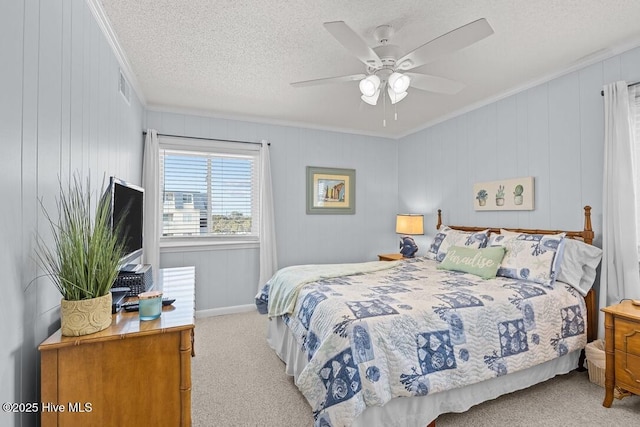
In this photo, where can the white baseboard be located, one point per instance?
(225, 310)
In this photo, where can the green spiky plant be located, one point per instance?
(85, 254)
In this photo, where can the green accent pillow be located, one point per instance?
(483, 262)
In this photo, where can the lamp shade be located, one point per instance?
(369, 85)
(371, 100)
(399, 82)
(409, 224)
(395, 97)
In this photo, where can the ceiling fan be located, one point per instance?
(386, 69)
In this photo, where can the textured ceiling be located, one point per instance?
(237, 58)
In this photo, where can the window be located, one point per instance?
(210, 190)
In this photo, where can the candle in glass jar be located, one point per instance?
(150, 305)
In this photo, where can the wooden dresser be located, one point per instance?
(132, 373)
(622, 347)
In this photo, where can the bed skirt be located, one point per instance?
(420, 411)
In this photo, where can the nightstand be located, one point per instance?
(390, 257)
(622, 347)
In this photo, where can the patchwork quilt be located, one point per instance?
(414, 330)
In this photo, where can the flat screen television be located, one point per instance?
(127, 205)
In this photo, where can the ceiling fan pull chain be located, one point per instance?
(395, 111)
(384, 109)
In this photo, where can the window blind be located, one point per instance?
(209, 193)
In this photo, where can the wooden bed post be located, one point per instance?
(588, 231)
(439, 219)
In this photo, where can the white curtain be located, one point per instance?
(268, 254)
(151, 184)
(619, 277)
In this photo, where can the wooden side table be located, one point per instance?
(132, 373)
(390, 257)
(622, 347)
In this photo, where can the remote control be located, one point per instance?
(133, 305)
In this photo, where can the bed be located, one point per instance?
(399, 343)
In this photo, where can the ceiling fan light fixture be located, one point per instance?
(373, 99)
(398, 82)
(395, 97)
(369, 85)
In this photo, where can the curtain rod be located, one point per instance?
(629, 85)
(208, 139)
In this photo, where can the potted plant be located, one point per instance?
(500, 196)
(517, 194)
(82, 259)
(482, 197)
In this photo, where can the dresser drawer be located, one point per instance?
(627, 336)
(628, 371)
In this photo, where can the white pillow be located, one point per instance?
(579, 263)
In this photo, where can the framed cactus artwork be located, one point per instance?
(515, 194)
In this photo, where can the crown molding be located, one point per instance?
(159, 108)
(95, 6)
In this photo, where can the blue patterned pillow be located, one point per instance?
(533, 257)
(448, 237)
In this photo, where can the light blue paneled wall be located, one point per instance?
(229, 277)
(553, 132)
(60, 112)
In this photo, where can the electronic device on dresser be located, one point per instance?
(118, 295)
(127, 215)
(138, 281)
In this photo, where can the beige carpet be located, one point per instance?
(239, 381)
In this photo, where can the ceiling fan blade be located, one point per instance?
(341, 79)
(354, 43)
(434, 84)
(446, 43)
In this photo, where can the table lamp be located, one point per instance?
(407, 224)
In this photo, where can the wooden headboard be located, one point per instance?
(586, 235)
